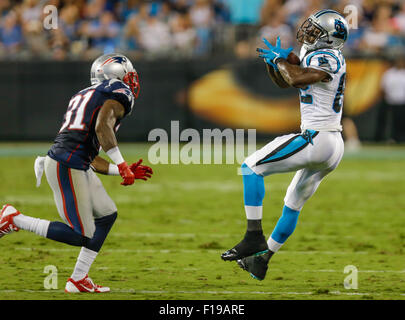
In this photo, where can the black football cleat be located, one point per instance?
(252, 243)
(256, 264)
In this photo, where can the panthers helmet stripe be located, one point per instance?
(322, 12)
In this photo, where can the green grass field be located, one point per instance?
(171, 230)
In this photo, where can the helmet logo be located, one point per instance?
(341, 31)
(120, 60)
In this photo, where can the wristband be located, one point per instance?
(113, 170)
(270, 63)
(276, 60)
(115, 155)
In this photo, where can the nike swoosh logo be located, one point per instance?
(88, 289)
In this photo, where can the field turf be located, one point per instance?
(171, 230)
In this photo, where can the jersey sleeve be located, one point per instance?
(323, 60)
(119, 91)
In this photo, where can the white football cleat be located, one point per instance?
(6, 220)
(84, 285)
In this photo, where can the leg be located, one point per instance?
(73, 205)
(280, 155)
(104, 211)
(72, 199)
(254, 241)
(322, 158)
(257, 265)
(105, 214)
(302, 187)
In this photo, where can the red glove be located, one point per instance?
(141, 172)
(126, 174)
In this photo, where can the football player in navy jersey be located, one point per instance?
(92, 118)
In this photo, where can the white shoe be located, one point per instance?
(84, 285)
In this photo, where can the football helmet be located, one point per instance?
(324, 29)
(115, 66)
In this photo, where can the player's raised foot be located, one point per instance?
(84, 285)
(7, 215)
(252, 243)
(256, 264)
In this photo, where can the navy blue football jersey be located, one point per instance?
(76, 144)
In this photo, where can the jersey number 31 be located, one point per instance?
(76, 111)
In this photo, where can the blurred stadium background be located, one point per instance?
(197, 65)
(188, 53)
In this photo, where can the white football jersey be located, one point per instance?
(321, 103)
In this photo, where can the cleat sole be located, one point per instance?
(256, 278)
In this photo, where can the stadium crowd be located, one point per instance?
(182, 28)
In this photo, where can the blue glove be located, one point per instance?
(283, 53)
(274, 53)
(268, 55)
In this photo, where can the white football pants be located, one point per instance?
(313, 154)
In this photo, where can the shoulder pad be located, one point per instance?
(118, 90)
(325, 59)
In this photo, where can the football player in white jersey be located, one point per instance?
(313, 153)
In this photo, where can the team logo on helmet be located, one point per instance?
(117, 59)
(341, 31)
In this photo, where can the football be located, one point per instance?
(293, 59)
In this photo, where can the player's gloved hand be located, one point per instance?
(140, 171)
(126, 174)
(274, 53)
(267, 55)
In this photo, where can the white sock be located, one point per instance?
(83, 264)
(36, 225)
(273, 245)
(254, 213)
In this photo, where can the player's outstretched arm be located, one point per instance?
(102, 166)
(299, 77)
(276, 77)
(110, 112)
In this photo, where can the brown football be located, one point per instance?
(293, 59)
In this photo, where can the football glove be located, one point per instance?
(126, 174)
(274, 53)
(140, 171)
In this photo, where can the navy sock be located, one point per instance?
(61, 232)
(103, 227)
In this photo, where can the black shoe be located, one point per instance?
(256, 265)
(252, 243)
